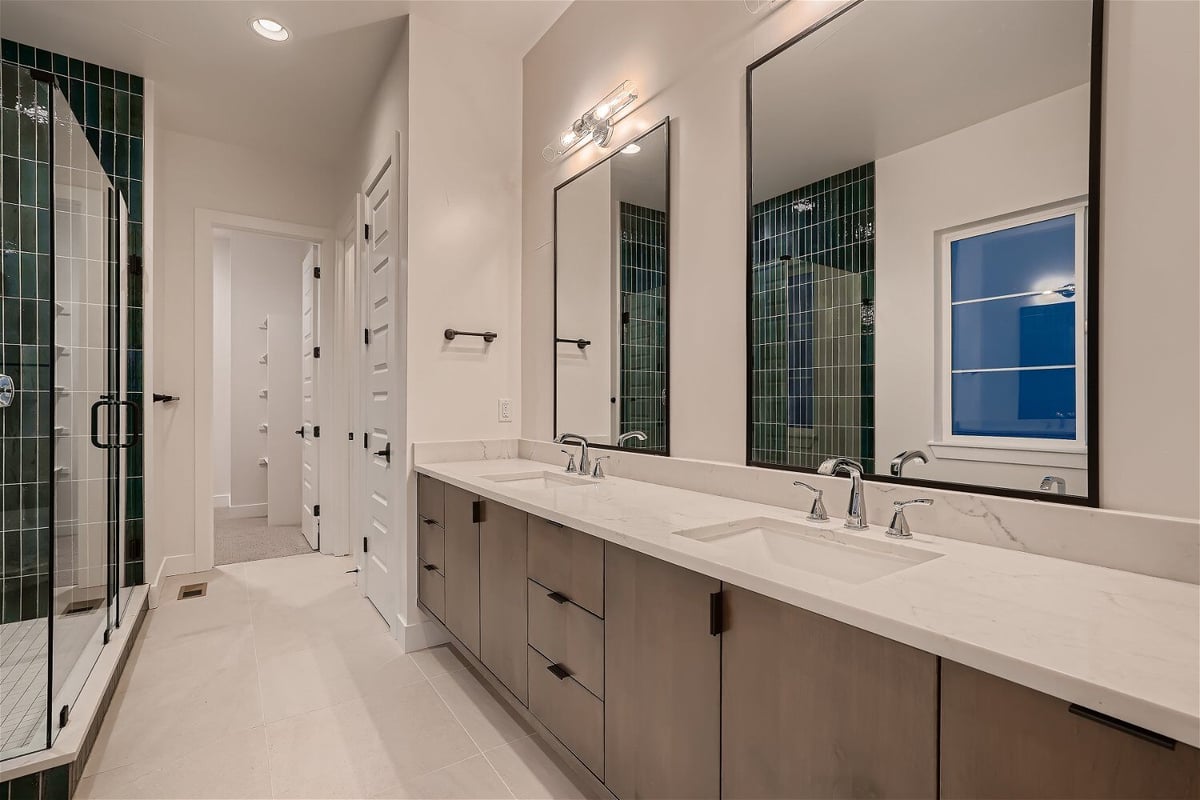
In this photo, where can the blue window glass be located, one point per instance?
(1038, 403)
(1030, 331)
(1026, 258)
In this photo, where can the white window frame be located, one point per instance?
(1008, 449)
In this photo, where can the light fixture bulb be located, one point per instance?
(602, 110)
(568, 138)
(631, 149)
(269, 29)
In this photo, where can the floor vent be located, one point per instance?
(82, 606)
(193, 590)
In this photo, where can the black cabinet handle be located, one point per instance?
(1122, 726)
(428, 521)
(429, 567)
(558, 671)
(716, 623)
(557, 597)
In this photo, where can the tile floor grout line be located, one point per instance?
(475, 742)
(258, 680)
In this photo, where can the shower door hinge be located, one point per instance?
(64, 714)
(317, 510)
(107, 636)
(316, 431)
(317, 273)
(367, 232)
(317, 351)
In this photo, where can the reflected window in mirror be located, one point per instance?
(920, 190)
(611, 248)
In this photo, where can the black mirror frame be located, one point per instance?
(1092, 356)
(665, 124)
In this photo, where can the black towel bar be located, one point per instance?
(580, 343)
(488, 336)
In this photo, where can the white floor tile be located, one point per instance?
(488, 718)
(439, 660)
(473, 779)
(532, 771)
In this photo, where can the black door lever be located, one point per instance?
(300, 432)
(386, 452)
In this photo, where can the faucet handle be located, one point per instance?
(597, 469)
(570, 460)
(899, 528)
(817, 513)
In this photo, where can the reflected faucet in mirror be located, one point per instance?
(1053, 483)
(856, 508)
(637, 436)
(585, 463)
(905, 456)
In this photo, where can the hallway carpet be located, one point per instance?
(251, 539)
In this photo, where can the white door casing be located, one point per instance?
(381, 524)
(310, 449)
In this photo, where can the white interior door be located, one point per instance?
(379, 522)
(310, 450)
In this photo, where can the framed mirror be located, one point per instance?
(923, 181)
(611, 268)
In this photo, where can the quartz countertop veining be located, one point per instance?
(1124, 644)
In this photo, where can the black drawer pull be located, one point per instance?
(1123, 726)
(555, 524)
(428, 521)
(557, 597)
(429, 566)
(558, 671)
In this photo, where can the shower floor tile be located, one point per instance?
(23, 686)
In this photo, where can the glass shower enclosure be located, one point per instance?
(69, 419)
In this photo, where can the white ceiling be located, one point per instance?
(216, 78)
(891, 74)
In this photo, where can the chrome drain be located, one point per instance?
(193, 590)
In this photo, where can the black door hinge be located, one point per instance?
(476, 511)
(317, 351)
(317, 273)
(367, 232)
(317, 510)
(351, 439)
(366, 335)
(366, 440)
(316, 431)
(716, 615)
(364, 544)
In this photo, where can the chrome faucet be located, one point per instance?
(817, 513)
(597, 467)
(899, 528)
(585, 463)
(1053, 483)
(906, 456)
(634, 435)
(856, 509)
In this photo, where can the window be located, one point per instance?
(1012, 297)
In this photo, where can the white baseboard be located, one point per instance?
(418, 636)
(222, 501)
(241, 512)
(171, 565)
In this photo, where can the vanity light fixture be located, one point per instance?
(269, 29)
(596, 124)
(631, 149)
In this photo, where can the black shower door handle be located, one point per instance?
(133, 422)
(96, 406)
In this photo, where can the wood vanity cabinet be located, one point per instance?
(503, 593)
(462, 565)
(1003, 740)
(431, 546)
(814, 708)
(662, 673)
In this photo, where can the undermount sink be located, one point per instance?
(541, 479)
(835, 554)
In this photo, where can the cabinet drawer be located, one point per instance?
(568, 635)
(568, 562)
(431, 590)
(431, 544)
(569, 711)
(431, 499)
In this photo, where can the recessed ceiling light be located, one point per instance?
(631, 149)
(269, 29)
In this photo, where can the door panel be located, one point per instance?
(381, 522)
(503, 594)
(310, 448)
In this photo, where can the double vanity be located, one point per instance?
(682, 644)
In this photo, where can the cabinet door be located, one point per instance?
(503, 617)
(662, 672)
(814, 708)
(462, 566)
(1002, 740)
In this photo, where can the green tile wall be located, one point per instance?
(109, 105)
(644, 324)
(812, 323)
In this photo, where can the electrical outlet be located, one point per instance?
(504, 410)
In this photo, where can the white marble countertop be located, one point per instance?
(1124, 644)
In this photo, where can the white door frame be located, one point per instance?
(348, 375)
(202, 294)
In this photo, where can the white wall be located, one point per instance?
(585, 305)
(266, 275)
(1028, 157)
(221, 438)
(1148, 284)
(195, 173)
